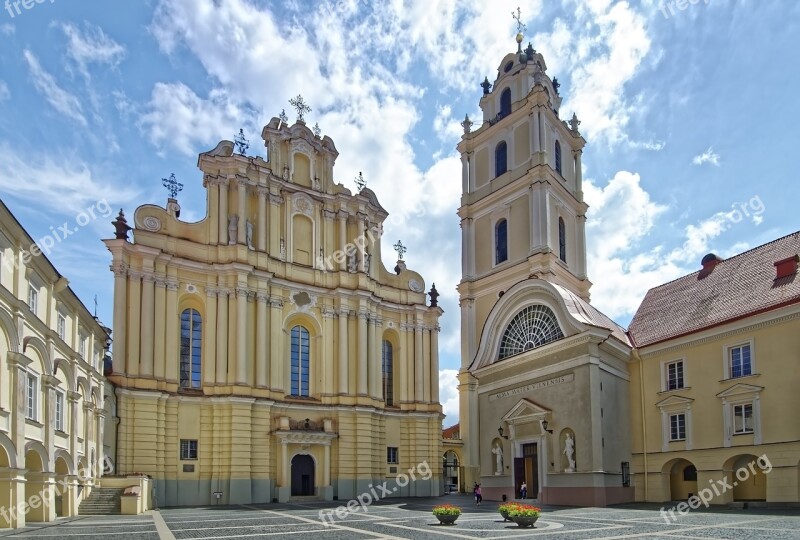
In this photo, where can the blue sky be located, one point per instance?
(688, 113)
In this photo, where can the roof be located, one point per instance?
(447, 433)
(586, 313)
(743, 285)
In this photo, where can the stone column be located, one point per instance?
(581, 246)
(241, 236)
(342, 215)
(276, 379)
(134, 324)
(49, 386)
(326, 466)
(373, 361)
(262, 352)
(173, 329)
(120, 270)
(41, 506)
(159, 327)
(426, 365)
(578, 176)
(72, 400)
(222, 336)
(419, 374)
(210, 337)
(276, 231)
(362, 385)
(536, 144)
(18, 365)
(212, 185)
(284, 476)
(464, 173)
(362, 235)
(435, 364)
(241, 336)
(261, 241)
(148, 312)
(223, 211)
(344, 376)
(329, 366)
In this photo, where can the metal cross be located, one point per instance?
(518, 17)
(400, 249)
(241, 143)
(172, 185)
(360, 182)
(300, 106)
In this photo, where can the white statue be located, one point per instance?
(498, 457)
(233, 227)
(352, 261)
(250, 234)
(367, 261)
(569, 451)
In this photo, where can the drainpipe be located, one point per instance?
(644, 418)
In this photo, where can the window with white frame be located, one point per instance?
(740, 361)
(743, 418)
(33, 297)
(82, 346)
(673, 376)
(32, 397)
(188, 449)
(59, 419)
(392, 455)
(677, 427)
(61, 326)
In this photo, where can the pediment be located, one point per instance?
(739, 389)
(674, 400)
(525, 409)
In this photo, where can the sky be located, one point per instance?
(687, 108)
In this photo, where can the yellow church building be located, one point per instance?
(265, 353)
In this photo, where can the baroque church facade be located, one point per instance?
(543, 383)
(265, 352)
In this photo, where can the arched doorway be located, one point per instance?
(682, 479)
(62, 502)
(302, 475)
(35, 486)
(450, 464)
(747, 478)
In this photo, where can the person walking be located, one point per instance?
(523, 490)
(478, 496)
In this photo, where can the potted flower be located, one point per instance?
(524, 515)
(505, 508)
(447, 514)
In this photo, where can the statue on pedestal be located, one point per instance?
(233, 227)
(569, 451)
(498, 456)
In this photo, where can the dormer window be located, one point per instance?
(505, 103)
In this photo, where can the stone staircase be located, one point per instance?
(101, 502)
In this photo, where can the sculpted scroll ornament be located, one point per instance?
(415, 285)
(152, 224)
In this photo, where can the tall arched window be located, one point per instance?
(388, 373)
(558, 157)
(562, 240)
(300, 361)
(533, 327)
(500, 159)
(501, 241)
(505, 103)
(191, 348)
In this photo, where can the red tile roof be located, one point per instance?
(448, 433)
(743, 285)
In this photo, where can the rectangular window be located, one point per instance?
(391, 455)
(675, 375)
(31, 398)
(61, 327)
(188, 449)
(33, 298)
(59, 421)
(677, 427)
(82, 347)
(740, 361)
(743, 418)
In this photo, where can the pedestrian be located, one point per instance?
(523, 490)
(478, 496)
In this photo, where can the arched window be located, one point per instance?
(300, 361)
(690, 474)
(558, 157)
(501, 241)
(191, 348)
(500, 159)
(533, 327)
(505, 103)
(562, 240)
(388, 373)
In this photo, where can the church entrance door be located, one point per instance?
(527, 469)
(302, 476)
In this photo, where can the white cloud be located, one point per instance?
(91, 47)
(709, 156)
(448, 395)
(61, 100)
(655, 146)
(7, 29)
(5, 93)
(447, 128)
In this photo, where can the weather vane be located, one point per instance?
(172, 185)
(300, 106)
(518, 17)
(241, 143)
(360, 182)
(400, 249)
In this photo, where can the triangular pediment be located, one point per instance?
(674, 400)
(525, 409)
(741, 388)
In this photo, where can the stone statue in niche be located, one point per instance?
(498, 459)
(352, 261)
(367, 261)
(569, 451)
(283, 249)
(233, 227)
(250, 234)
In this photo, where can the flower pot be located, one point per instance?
(504, 513)
(525, 521)
(447, 519)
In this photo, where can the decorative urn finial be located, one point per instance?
(121, 226)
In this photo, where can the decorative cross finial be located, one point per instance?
(360, 182)
(172, 185)
(400, 249)
(486, 85)
(95, 306)
(317, 131)
(283, 117)
(301, 107)
(467, 124)
(242, 144)
(518, 17)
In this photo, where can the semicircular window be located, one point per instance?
(533, 327)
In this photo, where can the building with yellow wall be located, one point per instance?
(715, 381)
(51, 386)
(265, 352)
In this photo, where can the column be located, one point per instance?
(464, 173)
(262, 353)
(578, 176)
(49, 385)
(409, 357)
(344, 376)
(148, 310)
(159, 327)
(471, 163)
(419, 379)
(120, 270)
(284, 476)
(401, 362)
(241, 236)
(543, 153)
(210, 337)
(373, 361)
(361, 241)
(329, 366)
(435, 364)
(241, 336)
(212, 185)
(134, 324)
(326, 466)
(173, 330)
(223, 211)
(261, 241)
(535, 141)
(362, 354)
(426, 365)
(276, 231)
(72, 424)
(222, 336)
(276, 379)
(465, 247)
(580, 247)
(342, 215)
